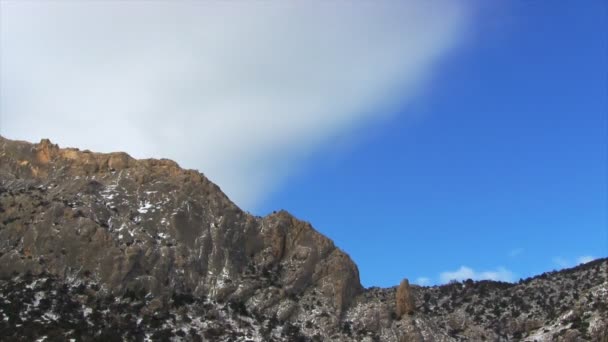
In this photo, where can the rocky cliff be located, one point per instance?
(135, 249)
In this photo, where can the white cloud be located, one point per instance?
(243, 91)
(561, 262)
(584, 259)
(567, 263)
(464, 272)
(423, 281)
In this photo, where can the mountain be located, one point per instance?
(105, 247)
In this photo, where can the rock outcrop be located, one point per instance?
(144, 248)
(404, 299)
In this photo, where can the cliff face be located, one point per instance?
(147, 232)
(149, 225)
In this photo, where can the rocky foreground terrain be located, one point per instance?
(105, 247)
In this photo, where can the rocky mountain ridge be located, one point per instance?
(148, 250)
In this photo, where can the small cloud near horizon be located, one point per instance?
(464, 273)
(584, 259)
(567, 263)
(423, 281)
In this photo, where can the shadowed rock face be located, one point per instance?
(145, 234)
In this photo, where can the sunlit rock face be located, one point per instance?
(404, 299)
(143, 248)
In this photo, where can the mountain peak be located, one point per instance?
(194, 236)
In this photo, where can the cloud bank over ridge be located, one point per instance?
(242, 91)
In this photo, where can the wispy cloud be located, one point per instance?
(243, 91)
(561, 262)
(584, 259)
(423, 281)
(464, 272)
(566, 263)
(515, 252)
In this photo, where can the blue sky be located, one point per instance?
(501, 164)
(429, 139)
